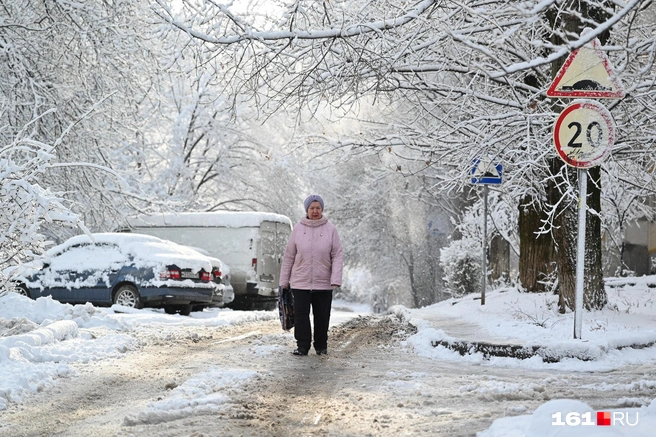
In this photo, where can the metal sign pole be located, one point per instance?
(484, 173)
(484, 243)
(587, 63)
(580, 252)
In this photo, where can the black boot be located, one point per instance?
(299, 351)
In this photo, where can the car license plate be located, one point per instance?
(190, 275)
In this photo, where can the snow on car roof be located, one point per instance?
(144, 249)
(228, 219)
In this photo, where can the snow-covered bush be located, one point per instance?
(26, 206)
(461, 261)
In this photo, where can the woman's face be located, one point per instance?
(314, 211)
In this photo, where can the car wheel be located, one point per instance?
(170, 309)
(22, 290)
(128, 296)
(185, 310)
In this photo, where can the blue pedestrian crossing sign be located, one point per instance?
(486, 171)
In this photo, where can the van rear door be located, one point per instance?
(274, 238)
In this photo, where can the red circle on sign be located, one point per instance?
(584, 133)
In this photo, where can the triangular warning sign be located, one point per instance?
(587, 73)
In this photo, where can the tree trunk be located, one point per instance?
(410, 263)
(566, 237)
(566, 220)
(536, 251)
(595, 297)
(499, 257)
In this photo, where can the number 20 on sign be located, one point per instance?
(584, 133)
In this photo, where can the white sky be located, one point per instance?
(60, 335)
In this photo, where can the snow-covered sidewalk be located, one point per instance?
(623, 333)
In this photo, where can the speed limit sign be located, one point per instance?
(584, 133)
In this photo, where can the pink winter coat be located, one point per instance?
(313, 257)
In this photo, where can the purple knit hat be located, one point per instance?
(312, 198)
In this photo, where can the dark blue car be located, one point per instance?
(131, 270)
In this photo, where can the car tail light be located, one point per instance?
(254, 264)
(217, 273)
(170, 274)
(205, 276)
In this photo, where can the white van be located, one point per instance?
(252, 244)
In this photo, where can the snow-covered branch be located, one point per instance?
(248, 34)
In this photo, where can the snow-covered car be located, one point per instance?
(217, 295)
(131, 270)
(221, 277)
(224, 292)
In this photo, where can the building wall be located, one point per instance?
(640, 247)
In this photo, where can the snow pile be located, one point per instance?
(40, 337)
(56, 331)
(202, 394)
(550, 420)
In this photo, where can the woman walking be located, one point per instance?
(312, 267)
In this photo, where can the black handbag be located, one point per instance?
(286, 307)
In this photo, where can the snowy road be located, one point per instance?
(252, 386)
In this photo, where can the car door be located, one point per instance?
(82, 273)
(97, 272)
(55, 280)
